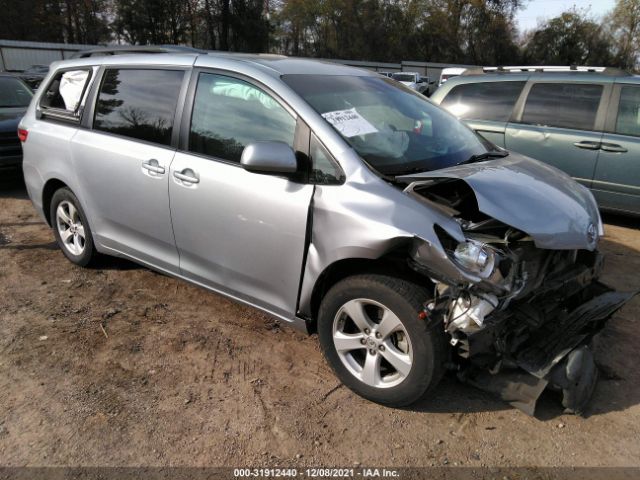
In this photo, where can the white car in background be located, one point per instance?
(413, 80)
(448, 73)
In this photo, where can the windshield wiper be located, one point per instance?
(485, 156)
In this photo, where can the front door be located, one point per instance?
(616, 183)
(558, 126)
(486, 106)
(238, 232)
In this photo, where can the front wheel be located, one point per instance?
(374, 340)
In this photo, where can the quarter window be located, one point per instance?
(324, 170)
(483, 100)
(228, 114)
(139, 104)
(564, 105)
(628, 121)
(64, 92)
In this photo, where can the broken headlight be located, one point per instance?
(476, 257)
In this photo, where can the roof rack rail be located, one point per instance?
(127, 49)
(546, 69)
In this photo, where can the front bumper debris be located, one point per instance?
(555, 355)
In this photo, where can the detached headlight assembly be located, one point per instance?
(476, 257)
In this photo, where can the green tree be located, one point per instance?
(70, 21)
(568, 39)
(625, 26)
(151, 21)
(249, 26)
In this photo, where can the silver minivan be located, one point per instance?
(338, 201)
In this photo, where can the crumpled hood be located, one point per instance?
(540, 200)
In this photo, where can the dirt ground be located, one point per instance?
(121, 366)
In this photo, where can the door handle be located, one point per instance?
(187, 175)
(612, 147)
(588, 145)
(153, 166)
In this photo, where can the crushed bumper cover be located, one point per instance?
(556, 355)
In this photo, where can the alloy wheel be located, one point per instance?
(70, 228)
(372, 343)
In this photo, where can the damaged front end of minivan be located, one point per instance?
(519, 298)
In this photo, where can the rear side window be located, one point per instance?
(564, 105)
(483, 100)
(228, 114)
(139, 104)
(64, 93)
(628, 121)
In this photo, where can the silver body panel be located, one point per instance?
(239, 232)
(515, 189)
(128, 205)
(245, 234)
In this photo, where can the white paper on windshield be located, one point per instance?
(349, 122)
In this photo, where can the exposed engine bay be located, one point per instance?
(522, 317)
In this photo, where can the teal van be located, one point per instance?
(585, 121)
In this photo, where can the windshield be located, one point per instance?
(13, 93)
(403, 77)
(394, 129)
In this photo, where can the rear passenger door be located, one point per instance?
(486, 106)
(123, 160)
(238, 232)
(561, 124)
(616, 183)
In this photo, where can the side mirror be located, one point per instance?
(269, 157)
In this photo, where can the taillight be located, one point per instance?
(22, 134)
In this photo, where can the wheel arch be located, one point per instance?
(50, 188)
(393, 263)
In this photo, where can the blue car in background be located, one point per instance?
(15, 96)
(585, 121)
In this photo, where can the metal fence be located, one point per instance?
(426, 69)
(16, 56)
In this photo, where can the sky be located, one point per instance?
(544, 9)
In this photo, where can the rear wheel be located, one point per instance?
(375, 342)
(71, 228)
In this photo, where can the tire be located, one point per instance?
(368, 369)
(68, 218)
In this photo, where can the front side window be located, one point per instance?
(628, 121)
(564, 105)
(14, 93)
(483, 100)
(229, 114)
(64, 92)
(139, 104)
(393, 128)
